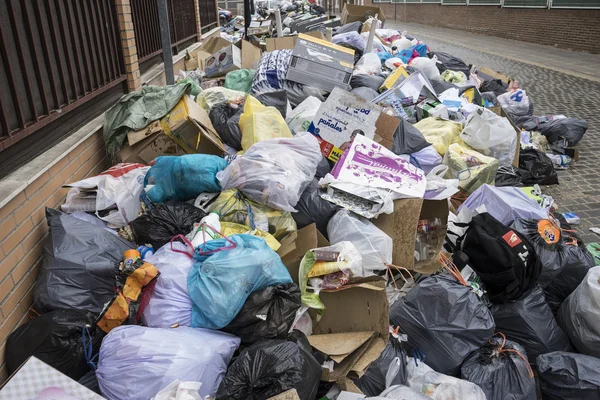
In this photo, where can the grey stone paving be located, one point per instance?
(552, 92)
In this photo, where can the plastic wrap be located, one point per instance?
(302, 116)
(220, 115)
(536, 167)
(515, 102)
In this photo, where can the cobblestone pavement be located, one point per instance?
(552, 92)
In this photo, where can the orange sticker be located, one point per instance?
(548, 231)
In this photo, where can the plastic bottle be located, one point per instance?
(207, 230)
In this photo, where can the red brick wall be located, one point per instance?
(563, 28)
(23, 228)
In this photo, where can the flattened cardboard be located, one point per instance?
(250, 55)
(353, 13)
(495, 75)
(294, 247)
(339, 345)
(134, 137)
(291, 394)
(283, 43)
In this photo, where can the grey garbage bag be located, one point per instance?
(352, 26)
(363, 80)
(365, 92)
(569, 376)
(572, 129)
(81, 261)
(529, 322)
(220, 115)
(548, 244)
(443, 319)
(233, 123)
(501, 370)
(373, 382)
(448, 61)
(579, 315)
(313, 209)
(408, 139)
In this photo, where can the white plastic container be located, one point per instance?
(208, 229)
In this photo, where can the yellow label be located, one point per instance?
(325, 43)
(392, 78)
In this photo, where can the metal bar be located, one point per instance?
(80, 68)
(34, 53)
(99, 45)
(110, 53)
(163, 16)
(69, 53)
(19, 46)
(144, 22)
(154, 26)
(21, 134)
(173, 31)
(84, 53)
(11, 80)
(4, 119)
(43, 38)
(117, 38)
(91, 45)
(56, 50)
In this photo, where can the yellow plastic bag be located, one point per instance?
(215, 95)
(259, 123)
(231, 228)
(472, 169)
(233, 206)
(439, 132)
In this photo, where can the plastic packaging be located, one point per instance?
(183, 177)
(208, 229)
(301, 117)
(515, 102)
(568, 376)
(210, 97)
(427, 65)
(240, 80)
(137, 362)
(80, 264)
(402, 44)
(56, 338)
(274, 172)
(501, 370)
(363, 80)
(491, 135)
(439, 132)
(408, 139)
(529, 322)
(369, 64)
(164, 221)
(580, 313)
(271, 367)
(471, 168)
(445, 320)
(267, 314)
(453, 76)
(224, 276)
(426, 159)
(259, 123)
(277, 99)
(170, 303)
(178, 390)
(439, 188)
(374, 245)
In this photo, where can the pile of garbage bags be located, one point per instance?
(383, 238)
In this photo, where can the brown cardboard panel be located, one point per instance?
(385, 127)
(430, 210)
(371, 354)
(284, 43)
(353, 13)
(137, 136)
(291, 394)
(250, 55)
(343, 368)
(294, 247)
(495, 75)
(339, 345)
(401, 226)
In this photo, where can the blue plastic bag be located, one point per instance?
(183, 177)
(222, 279)
(407, 55)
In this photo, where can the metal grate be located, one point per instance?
(54, 56)
(526, 3)
(208, 15)
(575, 3)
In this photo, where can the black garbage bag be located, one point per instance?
(548, 243)
(527, 122)
(536, 167)
(577, 261)
(313, 209)
(372, 383)
(572, 129)
(270, 367)
(365, 92)
(323, 168)
(350, 27)
(56, 338)
(529, 322)
(266, 314)
(494, 85)
(81, 261)
(508, 176)
(358, 53)
(158, 226)
(569, 376)
(363, 80)
(408, 139)
(500, 371)
(448, 61)
(235, 140)
(490, 97)
(220, 115)
(445, 320)
(90, 381)
(277, 99)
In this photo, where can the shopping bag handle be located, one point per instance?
(187, 243)
(204, 253)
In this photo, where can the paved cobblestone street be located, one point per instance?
(552, 92)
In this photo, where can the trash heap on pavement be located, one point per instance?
(360, 218)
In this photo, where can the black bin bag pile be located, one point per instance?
(222, 271)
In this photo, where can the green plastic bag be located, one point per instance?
(240, 79)
(195, 90)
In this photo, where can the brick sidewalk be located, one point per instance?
(552, 92)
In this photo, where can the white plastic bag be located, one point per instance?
(374, 245)
(274, 172)
(178, 390)
(427, 65)
(137, 362)
(300, 118)
(515, 102)
(402, 44)
(439, 386)
(120, 185)
(491, 135)
(369, 64)
(439, 188)
(170, 302)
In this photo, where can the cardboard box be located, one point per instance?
(219, 56)
(431, 108)
(393, 78)
(353, 13)
(288, 42)
(291, 394)
(185, 130)
(320, 64)
(294, 247)
(223, 61)
(36, 380)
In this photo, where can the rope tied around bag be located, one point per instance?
(500, 350)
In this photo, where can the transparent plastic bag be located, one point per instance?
(374, 245)
(215, 95)
(274, 172)
(471, 168)
(302, 116)
(369, 64)
(515, 102)
(439, 132)
(259, 123)
(427, 65)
